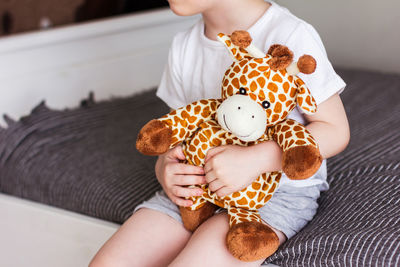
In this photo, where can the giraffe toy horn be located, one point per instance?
(306, 65)
(242, 39)
(239, 45)
(255, 52)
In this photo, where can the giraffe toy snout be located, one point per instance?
(243, 117)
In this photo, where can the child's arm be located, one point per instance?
(329, 126)
(232, 168)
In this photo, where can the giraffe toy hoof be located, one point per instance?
(301, 162)
(154, 138)
(251, 241)
(193, 218)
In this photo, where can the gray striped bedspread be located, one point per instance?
(84, 160)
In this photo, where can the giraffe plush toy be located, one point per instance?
(258, 92)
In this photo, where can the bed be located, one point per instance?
(81, 158)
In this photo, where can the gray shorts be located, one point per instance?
(289, 209)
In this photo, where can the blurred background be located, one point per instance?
(362, 34)
(356, 34)
(26, 15)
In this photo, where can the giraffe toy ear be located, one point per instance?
(239, 45)
(304, 98)
(281, 57)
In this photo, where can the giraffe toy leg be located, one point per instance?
(301, 156)
(248, 238)
(196, 214)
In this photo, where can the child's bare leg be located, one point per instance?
(207, 246)
(147, 238)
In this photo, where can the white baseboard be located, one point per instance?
(113, 57)
(33, 234)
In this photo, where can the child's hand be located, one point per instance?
(231, 168)
(174, 176)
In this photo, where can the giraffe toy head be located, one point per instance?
(259, 90)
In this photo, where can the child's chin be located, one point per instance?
(183, 13)
(181, 10)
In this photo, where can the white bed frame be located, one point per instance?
(113, 57)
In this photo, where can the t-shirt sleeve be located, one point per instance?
(170, 89)
(324, 82)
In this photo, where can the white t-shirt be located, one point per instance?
(196, 66)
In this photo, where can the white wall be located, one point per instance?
(356, 33)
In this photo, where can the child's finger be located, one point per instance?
(189, 180)
(215, 185)
(180, 191)
(181, 201)
(207, 168)
(210, 176)
(182, 168)
(178, 153)
(213, 151)
(224, 191)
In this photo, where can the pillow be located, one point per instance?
(83, 160)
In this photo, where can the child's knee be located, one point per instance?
(101, 260)
(218, 222)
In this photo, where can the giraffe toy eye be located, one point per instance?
(266, 104)
(242, 91)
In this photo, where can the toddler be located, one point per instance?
(154, 235)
